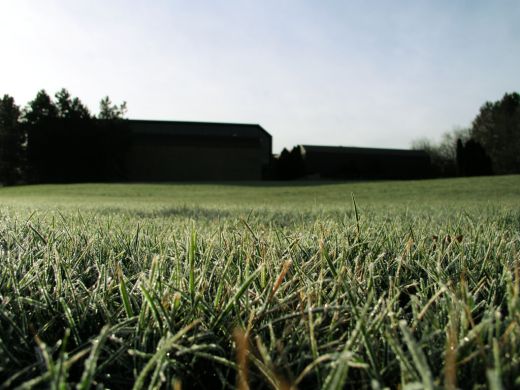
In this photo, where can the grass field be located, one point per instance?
(406, 284)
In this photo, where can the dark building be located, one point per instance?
(169, 151)
(351, 163)
(142, 150)
(65, 151)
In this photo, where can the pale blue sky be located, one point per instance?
(362, 73)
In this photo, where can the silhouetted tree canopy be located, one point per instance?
(443, 154)
(66, 144)
(290, 164)
(41, 109)
(497, 129)
(110, 111)
(495, 136)
(472, 159)
(60, 141)
(70, 108)
(11, 141)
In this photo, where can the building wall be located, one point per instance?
(361, 163)
(182, 151)
(193, 163)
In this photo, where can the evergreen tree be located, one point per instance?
(70, 108)
(41, 109)
(497, 129)
(110, 111)
(11, 142)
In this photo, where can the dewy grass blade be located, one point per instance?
(340, 367)
(494, 375)
(191, 259)
(325, 255)
(152, 306)
(70, 319)
(162, 350)
(222, 282)
(91, 362)
(358, 229)
(421, 363)
(234, 300)
(124, 293)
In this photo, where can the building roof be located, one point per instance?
(358, 150)
(183, 128)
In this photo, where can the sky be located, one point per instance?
(352, 73)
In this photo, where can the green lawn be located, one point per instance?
(412, 284)
(499, 190)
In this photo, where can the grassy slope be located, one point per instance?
(327, 301)
(503, 190)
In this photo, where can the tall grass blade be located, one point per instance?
(418, 357)
(91, 363)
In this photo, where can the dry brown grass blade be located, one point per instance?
(432, 300)
(450, 369)
(242, 350)
(286, 265)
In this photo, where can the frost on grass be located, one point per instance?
(269, 298)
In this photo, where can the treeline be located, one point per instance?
(491, 145)
(57, 139)
(53, 140)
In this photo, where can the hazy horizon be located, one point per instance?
(377, 74)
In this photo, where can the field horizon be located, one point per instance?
(308, 193)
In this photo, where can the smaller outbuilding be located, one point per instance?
(354, 163)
